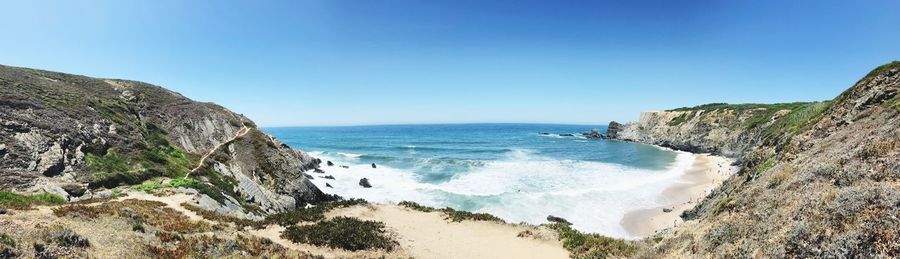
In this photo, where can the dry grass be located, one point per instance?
(152, 213)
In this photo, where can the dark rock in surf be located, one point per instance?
(329, 163)
(319, 171)
(345, 167)
(545, 133)
(555, 219)
(365, 183)
(328, 177)
(612, 131)
(373, 165)
(566, 135)
(328, 185)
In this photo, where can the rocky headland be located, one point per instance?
(816, 179)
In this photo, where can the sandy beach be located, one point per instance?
(705, 174)
(429, 235)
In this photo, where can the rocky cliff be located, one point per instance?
(817, 179)
(74, 136)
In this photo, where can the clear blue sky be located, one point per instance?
(372, 62)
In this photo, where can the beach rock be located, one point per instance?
(329, 163)
(667, 210)
(365, 183)
(373, 165)
(555, 219)
(2, 211)
(328, 177)
(612, 131)
(566, 135)
(74, 190)
(345, 167)
(318, 171)
(328, 185)
(593, 134)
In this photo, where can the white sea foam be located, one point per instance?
(522, 188)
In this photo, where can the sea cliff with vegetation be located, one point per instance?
(816, 179)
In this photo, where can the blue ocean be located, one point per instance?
(509, 170)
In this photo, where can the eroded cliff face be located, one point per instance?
(721, 131)
(819, 181)
(74, 135)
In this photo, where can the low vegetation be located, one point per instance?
(153, 157)
(212, 246)
(16, 201)
(451, 214)
(311, 214)
(344, 233)
(173, 183)
(7, 246)
(145, 212)
(582, 245)
(218, 217)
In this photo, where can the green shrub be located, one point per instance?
(681, 118)
(20, 202)
(582, 245)
(342, 232)
(451, 214)
(416, 206)
(7, 240)
(173, 183)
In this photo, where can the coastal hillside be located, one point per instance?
(718, 128)
(816, 179)
(77, 137)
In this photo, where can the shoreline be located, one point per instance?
(707, 173)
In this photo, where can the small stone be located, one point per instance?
(373, 165)
(329, 163)
(667, 210)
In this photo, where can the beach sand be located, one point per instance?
(705, 174)
(429, 235)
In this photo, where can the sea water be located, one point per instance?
(508, 170)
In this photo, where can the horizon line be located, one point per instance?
(431, 124)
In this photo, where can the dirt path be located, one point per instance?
(243, 131)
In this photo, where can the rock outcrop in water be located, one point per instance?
(817, 179)
(73, 136)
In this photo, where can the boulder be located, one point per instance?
(329, 163)
(365, 183)
(555, 219)
(373, 165)
(612, 131)
(593, 134)
(73, 189)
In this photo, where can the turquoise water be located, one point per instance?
(509, 170)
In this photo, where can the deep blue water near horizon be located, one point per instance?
(509, 170)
